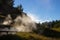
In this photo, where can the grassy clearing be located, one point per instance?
(33, 36)
(56, 29)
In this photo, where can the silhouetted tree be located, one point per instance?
(6, 6)
(20, 8)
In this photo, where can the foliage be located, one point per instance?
(53, 25)
(6, 7)
(34, 36)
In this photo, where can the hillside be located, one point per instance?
(34, 36)
(15, 20)
(27, 36)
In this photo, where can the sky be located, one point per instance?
(41, 10)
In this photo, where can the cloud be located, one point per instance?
(36, 18)
(33, 17)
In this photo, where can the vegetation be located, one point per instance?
(34, 36)
(26, 36)
(53, 25)
(43, 30)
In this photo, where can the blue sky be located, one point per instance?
(41, 10)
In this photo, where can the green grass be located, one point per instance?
(34, 36)
(56, 29)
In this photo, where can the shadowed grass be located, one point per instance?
(56, 29)
(33, 36)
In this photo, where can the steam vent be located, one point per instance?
(13, 19)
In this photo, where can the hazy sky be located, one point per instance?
(41, 10)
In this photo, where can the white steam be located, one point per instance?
(24, 23)
(21, 24)
(8, 20)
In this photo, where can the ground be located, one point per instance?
(34, 36)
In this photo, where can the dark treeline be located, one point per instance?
(7, 7)
(46, 28)
(52, 24)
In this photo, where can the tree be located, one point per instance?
(20, 8)
(6, 2)
(6, 6)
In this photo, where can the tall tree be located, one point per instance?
(20, 8)
(6, 6)
(6, 2)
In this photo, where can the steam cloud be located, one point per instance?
(21, 24)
